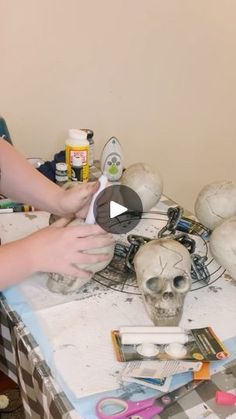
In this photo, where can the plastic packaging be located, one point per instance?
(77, 169)
(77, 145)
(61, 175)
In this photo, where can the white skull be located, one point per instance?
(65, 284)
(163, 269)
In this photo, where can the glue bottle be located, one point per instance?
(77, 145)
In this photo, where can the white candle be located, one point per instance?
(158, 338)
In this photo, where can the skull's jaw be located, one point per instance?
(65, 284)
(163, 317)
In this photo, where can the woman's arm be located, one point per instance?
(23, 183)
(53, 249)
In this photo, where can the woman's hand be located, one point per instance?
(75, 201)
(59, 247)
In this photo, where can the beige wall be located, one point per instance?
(158, 74)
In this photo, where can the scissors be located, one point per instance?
(143, 409)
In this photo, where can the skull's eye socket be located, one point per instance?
(181, 283)
(154, 284)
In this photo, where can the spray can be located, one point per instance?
(90, 139)
(77, 169)
(61, 175)
(77, 145)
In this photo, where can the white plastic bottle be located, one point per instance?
(77, 145)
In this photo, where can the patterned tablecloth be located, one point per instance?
(22, 360)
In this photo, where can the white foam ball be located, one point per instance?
(223, 245)
(215, 203)
(147, 349)
(176, 350)
(146, 181)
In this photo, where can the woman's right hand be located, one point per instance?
(60, 248)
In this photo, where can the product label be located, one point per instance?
(83, 153)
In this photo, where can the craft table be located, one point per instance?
(59, 349)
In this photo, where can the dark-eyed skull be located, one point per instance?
(163, 269)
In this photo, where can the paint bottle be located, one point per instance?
(90, 139)
(77, 169)
(77, 145)
(61, 175)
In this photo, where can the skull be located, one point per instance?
(66, 284)
(163, 269)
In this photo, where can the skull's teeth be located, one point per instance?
(167, 313)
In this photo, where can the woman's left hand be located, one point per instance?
(75, 201)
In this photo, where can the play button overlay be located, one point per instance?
(118, 209)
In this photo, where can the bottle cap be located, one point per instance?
(89, 133)
(61, 166)
(77, 134)
(223, 397)
(77, 161)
